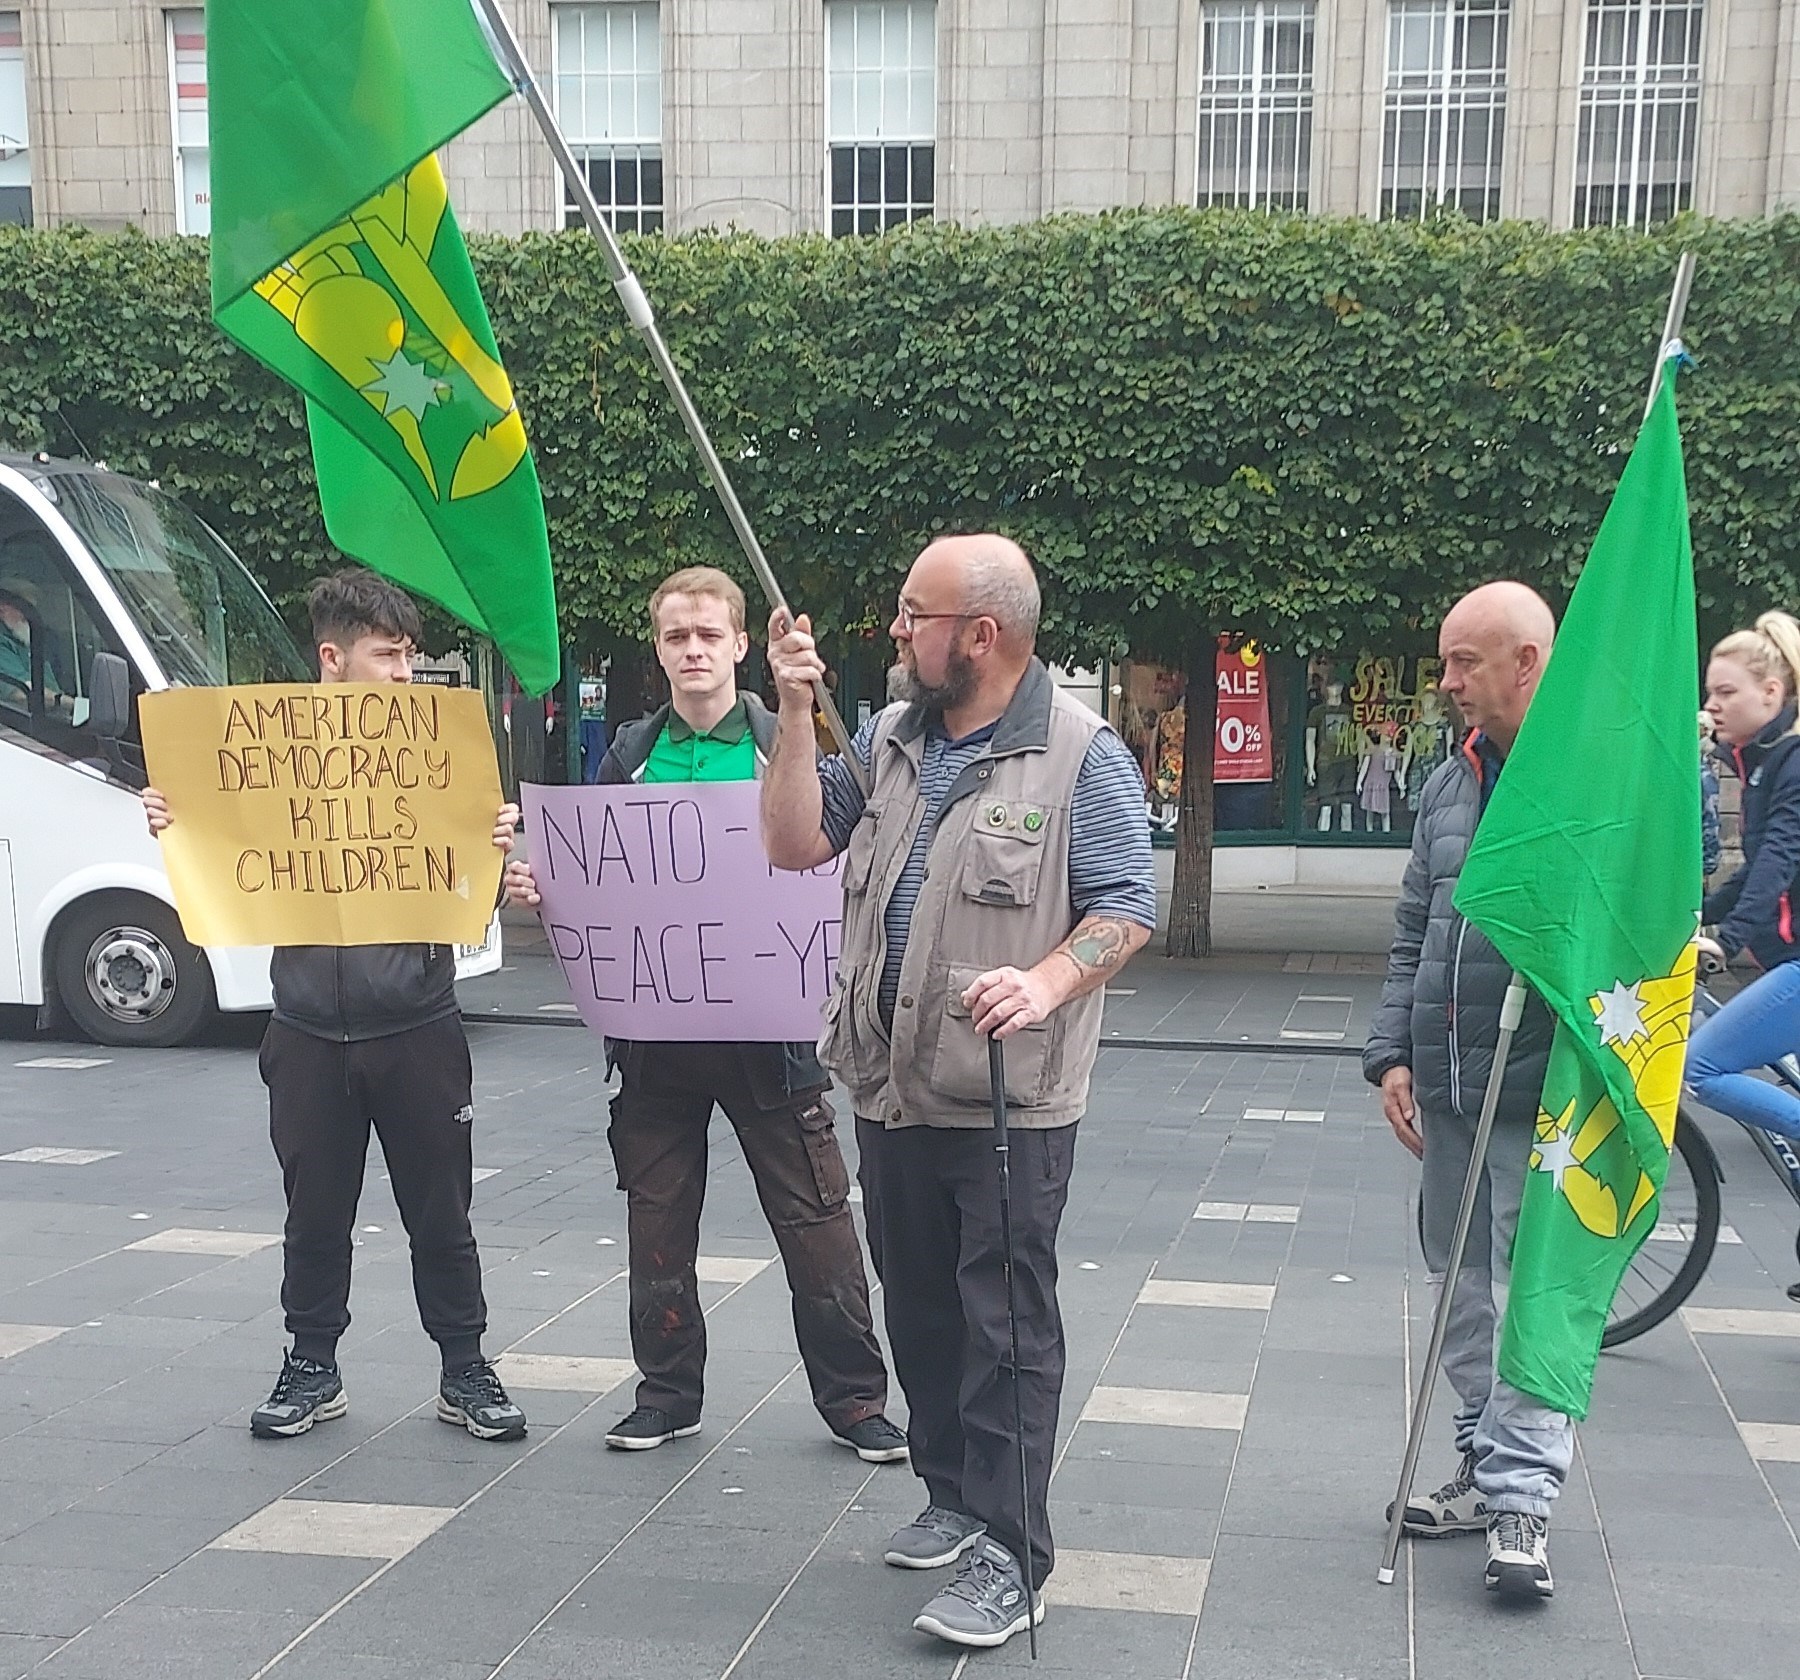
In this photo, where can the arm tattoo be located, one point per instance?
(1099, 944)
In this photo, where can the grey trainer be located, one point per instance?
(986, 1604)
(1458, 1507)
(935, 1537)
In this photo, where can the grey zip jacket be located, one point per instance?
(1440, 1006)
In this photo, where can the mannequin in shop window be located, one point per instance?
(1331, 759)
(1375, 781)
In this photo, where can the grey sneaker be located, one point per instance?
(935, 1537)
(305, 1393)
(986, 1604)
(1518, 1560)
(874, 1440)
(1458, 1507)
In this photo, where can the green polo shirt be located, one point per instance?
(724, 753)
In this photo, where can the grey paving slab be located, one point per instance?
(53, 1599)
(21, 1652)
(1288, 1509)
(183, 1643)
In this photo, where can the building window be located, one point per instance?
(15, 141)
(608, 80)
(1256, 103)
(881, 112)
(187, 107)
(1445, 117)
(1640, 111)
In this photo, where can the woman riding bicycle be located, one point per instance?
(1751, 685)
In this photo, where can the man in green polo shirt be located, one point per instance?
(773, 1094)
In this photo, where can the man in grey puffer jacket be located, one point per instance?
(1430, 1049)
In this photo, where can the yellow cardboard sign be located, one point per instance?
(326, 814)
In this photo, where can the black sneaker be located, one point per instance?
(874, 1441)
(647, 1427)
(1518, 1555)
(475, 1399)
(305, 1393)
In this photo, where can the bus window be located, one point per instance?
(48, 637)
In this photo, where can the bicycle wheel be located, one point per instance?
(1667, 1268)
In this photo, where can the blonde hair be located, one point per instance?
(1770, 649)
(700, 580)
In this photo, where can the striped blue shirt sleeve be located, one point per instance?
(843, 799)
(1111, 869)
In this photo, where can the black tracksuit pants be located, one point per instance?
(414, 1088)
(931, 1196)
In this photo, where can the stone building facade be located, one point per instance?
(786, 116)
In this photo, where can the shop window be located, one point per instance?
(1249, 739)
(1375, 729)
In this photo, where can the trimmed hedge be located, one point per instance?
(1315, 431)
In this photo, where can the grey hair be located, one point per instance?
(999, 583)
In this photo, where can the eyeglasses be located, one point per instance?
(909, 619)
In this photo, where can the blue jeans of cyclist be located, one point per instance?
(1522, 1448)
(1758, 1026)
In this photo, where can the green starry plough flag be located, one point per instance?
(337, 263)
(1585, 874)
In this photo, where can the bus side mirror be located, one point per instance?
(109, 697)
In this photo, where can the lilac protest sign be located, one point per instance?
(668, 918)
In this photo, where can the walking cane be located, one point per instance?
(1003, 1150)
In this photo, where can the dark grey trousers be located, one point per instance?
(931, 1197)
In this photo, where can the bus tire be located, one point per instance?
(127, 976)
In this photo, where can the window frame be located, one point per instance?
(1445, 94)
(911, 151)
(637, 153)
(24, 149)
(1260, 100)
(179, 153)
(1644, 94)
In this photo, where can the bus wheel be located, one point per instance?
(127, 975)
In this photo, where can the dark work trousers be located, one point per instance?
(931, 1196)
(414, 1088)
(658, 1137)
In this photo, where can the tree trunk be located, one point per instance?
(1190, 908)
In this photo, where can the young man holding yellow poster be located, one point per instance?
(361, 1035)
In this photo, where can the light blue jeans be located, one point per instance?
(1760, 1025)
(1522, 1448)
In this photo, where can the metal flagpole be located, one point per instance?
(1511, 1011)
(1003, 1152)
(1671, 333)
(637, 307)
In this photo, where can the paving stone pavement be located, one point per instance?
(1242, 1301)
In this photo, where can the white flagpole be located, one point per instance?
(637, 308)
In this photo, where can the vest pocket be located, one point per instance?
(859, 854)
(959, 1069)
(1002, 870)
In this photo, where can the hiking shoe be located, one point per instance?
(874, 1441)
(1458, 1507)
(935, 1537)
(1518, 1560)
(986, 1604)
(305, 1393)
(475, 1399)
(647, 1427)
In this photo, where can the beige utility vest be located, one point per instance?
(996, 893)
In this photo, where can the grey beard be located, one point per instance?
(957, 686)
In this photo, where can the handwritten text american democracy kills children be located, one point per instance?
(346, 763)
